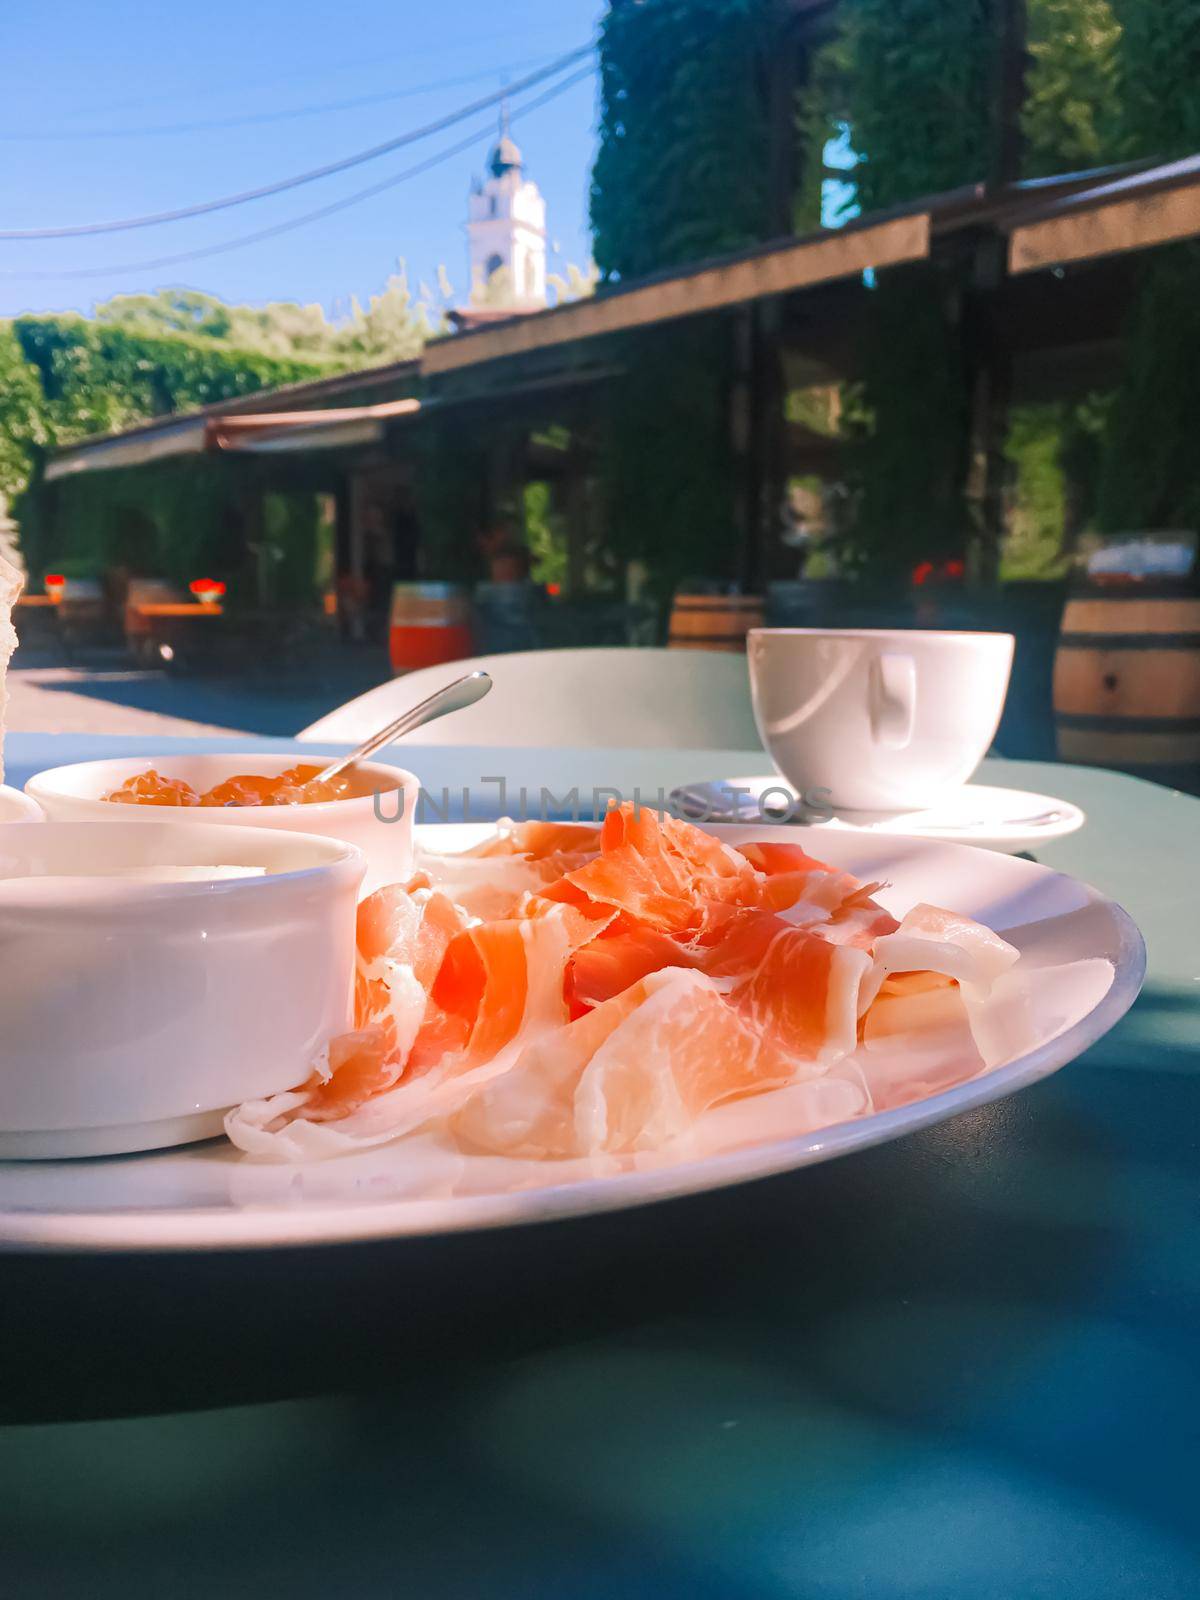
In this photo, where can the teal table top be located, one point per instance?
(963, 1364)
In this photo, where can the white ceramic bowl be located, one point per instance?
(18, 807)
(136, 1012)
(76, 794)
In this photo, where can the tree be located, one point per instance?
(393, 326)
(577, 284)
(22, 418)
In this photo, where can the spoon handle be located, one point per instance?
(456, 696)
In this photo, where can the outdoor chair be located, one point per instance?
(619, 698)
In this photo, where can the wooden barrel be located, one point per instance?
(430, 623)
(713, 621)
(1127, 679)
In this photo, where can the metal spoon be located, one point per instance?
(456, 696)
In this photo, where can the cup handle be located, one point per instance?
(893, 700)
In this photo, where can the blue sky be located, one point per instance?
(88, 84)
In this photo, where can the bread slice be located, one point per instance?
(10, 587)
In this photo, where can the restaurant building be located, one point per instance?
(413, 466)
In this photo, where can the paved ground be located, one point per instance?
(107, 697)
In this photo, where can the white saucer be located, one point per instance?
(996, 819)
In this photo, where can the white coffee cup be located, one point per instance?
(883, 719)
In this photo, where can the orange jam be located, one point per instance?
(295, 787)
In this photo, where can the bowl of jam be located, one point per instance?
(370, 806)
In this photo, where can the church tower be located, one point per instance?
(506, 232)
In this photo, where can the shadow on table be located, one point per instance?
(1016, 1287)
(1013, 1194)
(275, 706)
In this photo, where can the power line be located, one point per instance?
(352, 64)
(347, 162)
(472, 139)
(258, 118)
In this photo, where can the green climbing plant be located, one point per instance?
(914, 80)
(23, 423)
(909, 86)
(1033, 547)
(670, 467)
(451, 466)
(1149, 477)
(683, 147)
(681, 173)
(907, 423)
(918, 77)
(1071, 116)
(1157, 72)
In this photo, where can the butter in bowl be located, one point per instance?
(152, 976)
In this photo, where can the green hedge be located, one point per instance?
(63, 378)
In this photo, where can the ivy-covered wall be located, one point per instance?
(180, 519)
(176, 519)
(913, 87)
(683, 152)
(918, 77)
(670, 472)
(1150, 477)
(915, 84)
(916, 81)
(451, 471)
(1159, 69)
(681, 173)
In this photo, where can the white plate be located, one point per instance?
(996, 819)
(1087, 961)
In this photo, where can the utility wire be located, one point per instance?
(472, 139)
(377, 58)
(258, 118)
(347, 162)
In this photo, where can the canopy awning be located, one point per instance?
(187, 437)
(258, 432)
(272, 432)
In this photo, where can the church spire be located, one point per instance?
(505, 157)
(506, 230)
